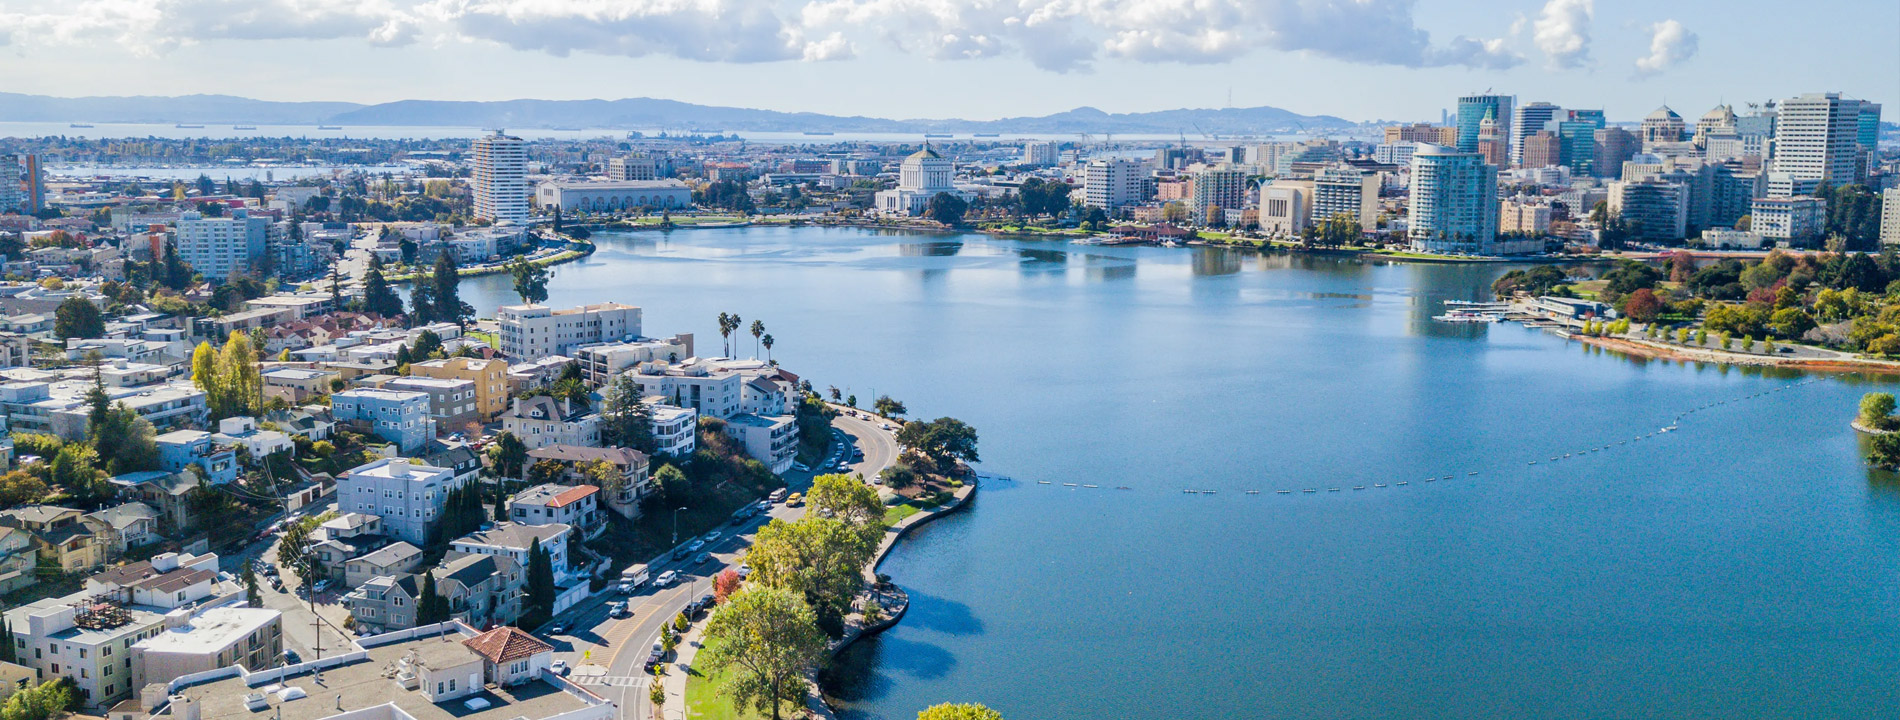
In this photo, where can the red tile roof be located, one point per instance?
(506, 644)
(573, 495)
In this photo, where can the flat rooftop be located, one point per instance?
(211, 631)
(362, 684)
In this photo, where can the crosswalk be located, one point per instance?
(630, 681)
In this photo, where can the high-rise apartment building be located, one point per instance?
(1650, 209)
(1817, 139)
(23, 186)
(1349, 192)
(1041, 154)
(1112, 183)
(1529, 119)
(1890, 217)
(1472, 109)
(1222, 187)
(500, 180)
(634, 167)
(220, 247)
(1454, 203)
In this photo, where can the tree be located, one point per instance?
(232, 382)
(725, 584)
(1642, 305)
(767, 342)
(77, 317)
(448, 296)
(769, 640)
(293, 549)
(671, 481)
(728, 322)
(625, 421)
(959, 711)
(531, 280)
(378, 298)
(422, 307)
(177, 275)
(1884, 451)
(941, 439)
(946, 208)
(508, 454)
(432, 607)
(540, 580)
(428, 345)
(846, 498)
(251, 595)
(889, 407)
(20, 487)
(819, 558)
(758, 331)
(127, 441)
(1876, 410)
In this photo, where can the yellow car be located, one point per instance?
(795, 500)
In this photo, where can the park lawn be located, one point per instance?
(895, 513)
(493, 339)
(703, 701)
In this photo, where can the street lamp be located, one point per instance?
(676, 525)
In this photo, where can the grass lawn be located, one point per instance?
(493, 339)
(894, 513)
(703, 701)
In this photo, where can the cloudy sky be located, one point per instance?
(1359, 59)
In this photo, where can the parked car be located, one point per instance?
(291, 657)
(559, 667)
(323, 585)
(557, 629)
(744, 570)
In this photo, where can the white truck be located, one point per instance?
(633, 577)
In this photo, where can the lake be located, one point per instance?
(1741, 566)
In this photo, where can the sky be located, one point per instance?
(1363, 60)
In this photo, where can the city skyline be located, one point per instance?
(915, 59)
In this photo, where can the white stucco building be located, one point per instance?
(500, 177)
(614, 195)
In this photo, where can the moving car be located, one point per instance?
(777, 495)
(712, 537)
(557, 629)
(795, 500)
(666, 579)
(696, 546)
(635, 575)
(701, 558)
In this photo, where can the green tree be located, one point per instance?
(77, 317)
(728, 322)
(946, 208)
(769, 641)
(531, 280)
(293, 549)
(671, 481)
(889, 407)
(1884, 451)
(432, 607)
(378, 298)
(127, 441)
(1876, 410)
(448, 295)
(767, 342)
(540, 580)
(940, 440)
(849, 499)
(20, 487)
(959, 711)
(758, 331)
(819, 558)
(241, 379)
(625, 421)
(76, 470)
(251, 594)
(507, 453)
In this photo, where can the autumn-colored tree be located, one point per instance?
(725, 584)
(1642, 305)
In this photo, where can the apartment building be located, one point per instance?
(530, 332)
(490, 378)
(408, 496)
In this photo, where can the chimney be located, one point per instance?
(185, 708)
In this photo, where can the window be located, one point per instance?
(82, 651)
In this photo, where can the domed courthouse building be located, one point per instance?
(922, 176)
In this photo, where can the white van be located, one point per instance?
(777, 495)
(635, 575)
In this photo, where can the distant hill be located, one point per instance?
(631, 114)
(152, 109)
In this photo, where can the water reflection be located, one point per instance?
(1211, 261)
(1105, 267)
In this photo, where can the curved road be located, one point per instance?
(608, 654)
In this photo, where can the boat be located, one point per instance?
(183, 126)
(1253, 492)
(818, 133)
(1358, 487)
(1469, 474)
(329, 127)
(938, 135)
(1447, 477)
(1308, 490)
(1088, 486)
(985, 135)
(1042, 482)
(1068, 484)
(243, 127)
(1467, 316)
(80, 125)
(1402, 482)
(1332, 489)
(1477, 303)
(1378, 484)
(1283, 492)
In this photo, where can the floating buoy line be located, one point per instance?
(1675, 425)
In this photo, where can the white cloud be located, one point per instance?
(1056, 35)
(1562, 32)
(1670, 44)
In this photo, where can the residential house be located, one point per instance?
(407, 495)
(180, 449)
(512, 540)
(575, 505)
(166, 491)
(631, 465)
(259, 444)
(63, 536)
(541, 421)
(482, 590)
(17, 560)
(399, 416)
(770, 440)
(130, 525)
(397, 558)
(675, 429)
(296, 385)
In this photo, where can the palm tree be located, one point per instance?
(725, 332)
(767, 342)
(758, 329)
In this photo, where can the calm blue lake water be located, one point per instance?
(1743, 566)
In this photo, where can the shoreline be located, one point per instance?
(572, 253)
(1642, 348)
